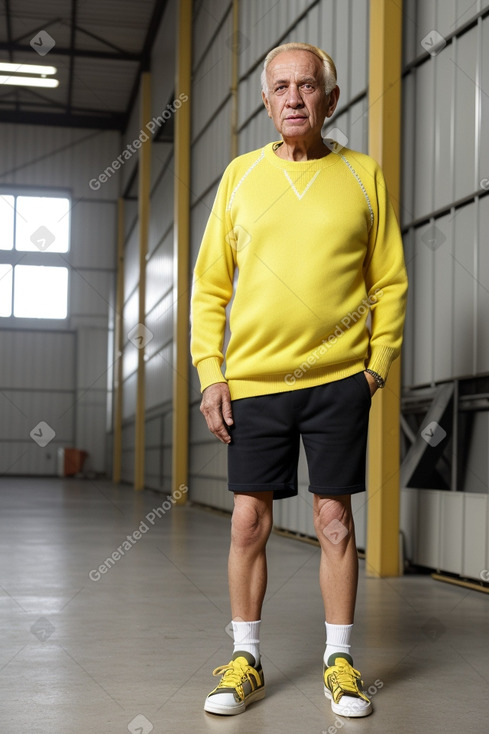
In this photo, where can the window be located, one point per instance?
(34, 233)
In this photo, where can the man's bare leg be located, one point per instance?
(338, 572)
(247, 566)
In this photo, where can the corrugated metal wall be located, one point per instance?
(445, 215)
(341, 28)
(445, 207)
(49, 375)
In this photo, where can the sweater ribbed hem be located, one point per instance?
(268, 385)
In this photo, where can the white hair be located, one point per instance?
(329, 68)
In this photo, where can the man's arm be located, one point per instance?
(212, 290)
(386, 281)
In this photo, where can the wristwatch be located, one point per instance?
(378, 378)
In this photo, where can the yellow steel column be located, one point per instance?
(384, 141)
(181, 246)
(118, 345)
(143, 221)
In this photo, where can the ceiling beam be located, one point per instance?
(79, 52)
(60, 119)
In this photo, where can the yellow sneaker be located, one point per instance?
(343, 686)
(242, 682)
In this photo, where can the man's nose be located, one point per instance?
(294, 98)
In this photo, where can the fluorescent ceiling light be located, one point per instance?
(27, 68)
(29, 81)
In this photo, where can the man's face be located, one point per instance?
(296, 100)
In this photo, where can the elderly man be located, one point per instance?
(316, 321)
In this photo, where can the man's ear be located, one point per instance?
(266, 103)
(334, 96)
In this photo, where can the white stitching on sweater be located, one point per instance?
(363, 189)
(243, 178)
(299, 196)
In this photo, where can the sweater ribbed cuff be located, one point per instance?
(210, 372)
(381, 359)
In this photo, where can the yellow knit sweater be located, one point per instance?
(315, 248)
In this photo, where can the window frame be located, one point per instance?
(15, 257)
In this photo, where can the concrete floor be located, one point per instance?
(133, 649)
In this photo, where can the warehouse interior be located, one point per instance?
(109, 165)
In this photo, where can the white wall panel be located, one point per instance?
(424, 137)
(131, 263)
(23, 410)
(477, 461)
(90, 292)
(464, 291)
(19, 458)
(209, 158)
(483, 158)
(475, 535)
(58, 157)
(129, 360)
(209, 460)
(160, 323)
(482, 307)
(451, 532)
(444, 130)
(423, 307)
(466, 91)
(159, 272)
(443, 274)
(408, 138)
(161, 209)
(130, 317)
(211, 81)
(208, 16)
(92, 359)
(429, 514)
(358, 64)
(159, 378)
(210, 492)
(129, 397)
(91, 398)
(43, 360)
(90, 428)
(94, 234)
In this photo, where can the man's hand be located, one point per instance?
(372, 384)
(216, 408)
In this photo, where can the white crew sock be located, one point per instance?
(337, 639)
(247, 638)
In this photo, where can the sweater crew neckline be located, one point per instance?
(286, 165)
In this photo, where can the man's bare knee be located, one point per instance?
(251, 522)
(333, 519)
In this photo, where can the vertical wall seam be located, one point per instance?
(144, 185)
(118, 347)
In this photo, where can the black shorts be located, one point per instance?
(333, 421)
